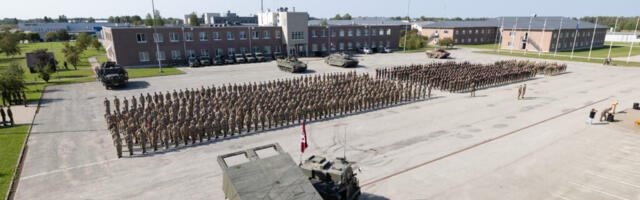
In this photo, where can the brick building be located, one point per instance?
(294, 34)
(461, 32)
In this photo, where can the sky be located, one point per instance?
(24, 9)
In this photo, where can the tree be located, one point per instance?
(51, 36)
(83, 41)
(324, 22)
(96, 44)
(148, 20)
(193, 19)
(111, 19)
(159, 20)
(72, 54)
(63, 19)
(446, 42)
(91, 20)
(12, 81)
(337, 17)
(45, 67)
(346, 17)
(33, 37)
(9, 44)
(63, 35)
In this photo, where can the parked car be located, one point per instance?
(240, 58)
(277, 56)
(205, 61)
(217, 61)
(367, 50)
(249, 57)
(387, 50)
(229, 59)
(260, 57)
(193, 62)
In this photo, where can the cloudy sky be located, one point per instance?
(323, 8)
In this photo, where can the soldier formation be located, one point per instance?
(193, 115)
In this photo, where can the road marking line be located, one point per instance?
(612, 179)
(597, 189)
(560, 196)
(476, 145)
(66, 169)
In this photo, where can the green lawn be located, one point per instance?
(11, 140)
(148, 72)
(563, 58)
(479, 46)
(419, 50)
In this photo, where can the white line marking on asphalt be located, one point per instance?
(66, 169)
(612, 179)
(597, 189)
(561, 197)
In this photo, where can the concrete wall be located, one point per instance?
(295, 22)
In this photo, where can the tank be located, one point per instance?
(291, 64)
(438, 53)
(333, 179)
(112, 75)
(273, 176)
(341, 60)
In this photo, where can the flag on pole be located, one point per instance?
(303, 142)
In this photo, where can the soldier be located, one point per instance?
(134, 103)
(524, 90)
(125, 103)
(106, 106)
(519, 92)
(10, 114)
(116, 140)
(128, 129)
(4, 120)
(116, 103)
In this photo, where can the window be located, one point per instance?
(350, 33)
(255, 35)
(476, 31)
(231, 51)
(175, 54)
(510, 44)
(256, 49)
(366, 32)
(173, 37)
(324, 33)
(468, 39)
(388, 44)
(464, 32)
(475, 39)
(267, 49)
(141, 38)
(381, 32)
(144, 56)
(333, 33)
(157, 37)
(242, 35)
(380, 44)
(349, 46)
(161, 55)
(389, 31)
(313, 33)
(554, 35)
(188, 36)
(512, 34)
(373, 32)
(358, 33)
(482, 31)
(297, 35)
(266, 35)
(481, 39)
(445, 32)
(204, 52)
(314, 47)
(341, 33)
(191, 53)
(366, 44)
(341, 46)
(357, 45)
(230, 36)
(203, 36)
(216, 35)
(277, 49)
(455, 41)
(324, 47)
(219, 52)
(457, 31)
(243, 50)
(278, 35)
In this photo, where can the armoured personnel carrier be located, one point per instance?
(277, 177)
(112, 75)
(341, 60)
(438, 53)
(291, 64)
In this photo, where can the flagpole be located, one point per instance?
(611, 44)
(513, 39)
(527, 35)
(544, 27)
(593, 38)
(632, 41)
(555, 52)
(498, 39)
(574, 39)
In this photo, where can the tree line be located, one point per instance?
(136, 20)
(624, 23)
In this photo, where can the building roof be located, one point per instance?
(359, 21)
(522, 22)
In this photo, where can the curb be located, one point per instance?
(15, 179)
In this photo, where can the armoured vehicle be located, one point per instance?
(276, 176)
(333, 179)
(205, 61)
(291, 64)
(193, 62)
(437, 53)
(250, 57)
(341, 60)
(260, 57)
(112, 75)
(240, 58)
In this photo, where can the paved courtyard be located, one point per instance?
(450, 147)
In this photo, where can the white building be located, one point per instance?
(622, 37)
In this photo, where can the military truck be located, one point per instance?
(291, 64)
(278, 177)
(112, 75)
(340, 60)
(240, 58)
(437, 53)
(260, 57)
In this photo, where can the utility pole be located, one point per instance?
(406, 27)
(155, 34)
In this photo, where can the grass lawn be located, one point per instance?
(11, 140)
(148, 72)
(478, 46)
(423, 49)
(563, 58)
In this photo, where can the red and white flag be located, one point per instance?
(303, 142)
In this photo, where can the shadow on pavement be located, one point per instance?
(132, 85)
(368, 196)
